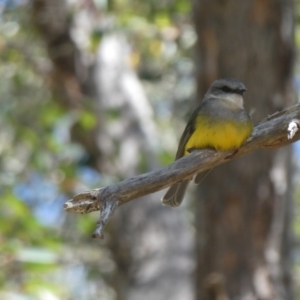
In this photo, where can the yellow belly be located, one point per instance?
(221, 136)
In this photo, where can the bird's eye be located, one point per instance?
(226, 89)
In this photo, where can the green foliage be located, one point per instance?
(27, 248)
(87, 120)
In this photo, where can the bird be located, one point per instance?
(220, 122)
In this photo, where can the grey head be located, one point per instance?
(228, 88)
(227, 85)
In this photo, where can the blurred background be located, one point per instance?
(96, 91)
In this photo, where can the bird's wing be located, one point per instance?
(188, 131)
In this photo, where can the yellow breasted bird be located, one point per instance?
(220, 122)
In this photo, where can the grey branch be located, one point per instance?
(277, 130)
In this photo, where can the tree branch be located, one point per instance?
(277, 130)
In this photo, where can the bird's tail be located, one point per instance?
(175, 194)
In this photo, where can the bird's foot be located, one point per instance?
(232, 155)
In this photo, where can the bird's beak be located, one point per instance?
(242, 91)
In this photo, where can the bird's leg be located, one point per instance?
(232, 155)
(190, 150)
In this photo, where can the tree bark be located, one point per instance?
(243, 208)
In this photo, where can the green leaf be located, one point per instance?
(87, 120)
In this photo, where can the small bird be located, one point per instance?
(220, 122)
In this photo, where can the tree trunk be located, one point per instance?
(243, 233)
